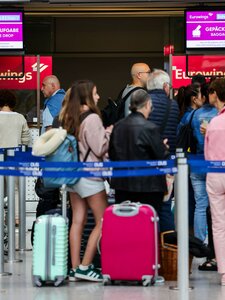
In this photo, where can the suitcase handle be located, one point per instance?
(53, 244)
(126, 209)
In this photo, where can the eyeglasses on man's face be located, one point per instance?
(147, 72)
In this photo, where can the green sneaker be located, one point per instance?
(72, 275)
(91, 274)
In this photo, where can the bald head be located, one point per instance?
(50, 85)
(140, 73)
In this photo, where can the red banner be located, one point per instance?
(179, 77)
(207, 65)
(12, 66)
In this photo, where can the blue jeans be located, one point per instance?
(166, 217)
(191, 205)
(201, 203)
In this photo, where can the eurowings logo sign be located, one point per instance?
(42, 67)
(207, 65)
(11, 66)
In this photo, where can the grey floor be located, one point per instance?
(19, 286)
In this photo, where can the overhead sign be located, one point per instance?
(11, 30)
(207, 65)
(205, 29)
(11, 66)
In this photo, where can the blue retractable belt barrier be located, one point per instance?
(98, 173)
(27, 165)
(107, 164)
(206, 166)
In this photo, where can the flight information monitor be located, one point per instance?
(11, 30)
(205, 30)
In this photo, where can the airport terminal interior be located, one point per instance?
(98, 40)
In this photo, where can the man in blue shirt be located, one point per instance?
(53, 103)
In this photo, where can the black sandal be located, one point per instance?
(208, 265)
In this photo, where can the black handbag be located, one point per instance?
(46, 193)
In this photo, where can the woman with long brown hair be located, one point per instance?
(80, 116)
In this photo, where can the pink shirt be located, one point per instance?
(215, 138)
(93, 135)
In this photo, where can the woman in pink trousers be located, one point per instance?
(215, 150)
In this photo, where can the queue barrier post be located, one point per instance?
(181, 196)
(2, 190)
(22, 209)
(179, 154)
(11, 214)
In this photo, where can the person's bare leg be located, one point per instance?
(79, 215)
(97, 204)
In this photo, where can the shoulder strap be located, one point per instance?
(85, 114)
(86, 155)
(192, 115)
(166, 116)
(120, 94)
(121, 102)
(131, 91)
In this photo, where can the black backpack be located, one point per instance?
(114, 110)
(186, 139)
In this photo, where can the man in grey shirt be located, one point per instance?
(139, 73)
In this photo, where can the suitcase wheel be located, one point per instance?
(37, 281)
(146, 280)
(107, 280)
(58, 280)
(144, 283)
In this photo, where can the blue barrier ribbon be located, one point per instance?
(16, 149)
(202, 170)
(98, 173)
(29, 161)
(106, 164)
(207, 163)
(195, 157)
(206, 166)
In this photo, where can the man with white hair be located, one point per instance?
(165, 114)
(52, 105)
(166, 111)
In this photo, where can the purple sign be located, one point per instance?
(205, 29)
(11, 30)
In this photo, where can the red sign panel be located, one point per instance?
(179, 77)
(11, 66)
(168, 49)
(207, 65)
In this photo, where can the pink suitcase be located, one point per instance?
(129, 244)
